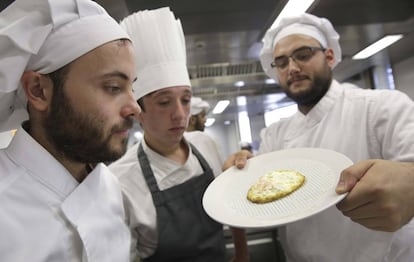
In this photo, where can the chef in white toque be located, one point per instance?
(165, 175)
(71, 66)
(371, 127)
(199, 109)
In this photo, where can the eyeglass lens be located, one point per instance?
(302, 54)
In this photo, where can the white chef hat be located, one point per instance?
(306, 24)
(159, 49)
(198, 105)
(43, 36)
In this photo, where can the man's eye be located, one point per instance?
(113, 89)
(303, 56)
(163, 103)
(281, 62)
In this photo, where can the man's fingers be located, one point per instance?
(241, 158)
(238, 159)
(351, 175)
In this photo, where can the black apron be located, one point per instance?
(185, 231)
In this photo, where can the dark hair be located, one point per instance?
(59, 77)
(141, 103)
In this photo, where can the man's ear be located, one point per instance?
(330, 57)
(193, 120)
(38, 89)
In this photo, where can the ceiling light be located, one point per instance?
(210, 122)
(241, 101)
(239, 83)
(293, 8)
(244, 127)
(221, 105)
(270, 81)
(377, 46)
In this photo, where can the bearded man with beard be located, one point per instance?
(199, 109)
(86, 142)
(374, 128)
(58, 201)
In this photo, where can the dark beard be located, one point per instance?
(199, 126)
(317, 90)
(80, 137)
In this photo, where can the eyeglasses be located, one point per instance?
(300, 55)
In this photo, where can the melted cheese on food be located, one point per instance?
(274, 185)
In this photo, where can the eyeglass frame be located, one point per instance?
(312, 48)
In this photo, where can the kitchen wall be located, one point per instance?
(404, 76)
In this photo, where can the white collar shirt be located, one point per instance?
(48, 216)
(141, 213)
(361, 124)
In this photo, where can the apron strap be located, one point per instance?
(158, 198)
(157, 195)
(204, 165)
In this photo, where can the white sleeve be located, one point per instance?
(392, 116)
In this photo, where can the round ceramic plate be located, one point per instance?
(226, 202)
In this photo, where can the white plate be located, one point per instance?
(225, 198)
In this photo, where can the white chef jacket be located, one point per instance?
(141, 214)
(46, 215)
(362, 124)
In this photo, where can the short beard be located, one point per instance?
(78, 136)
(199, 126)
(315, 92)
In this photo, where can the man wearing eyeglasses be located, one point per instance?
(362, 124)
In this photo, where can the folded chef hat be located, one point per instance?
(198, 105)
(43, 36)
(306, 24)
(159, 49)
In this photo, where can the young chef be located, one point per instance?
(165, 175)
